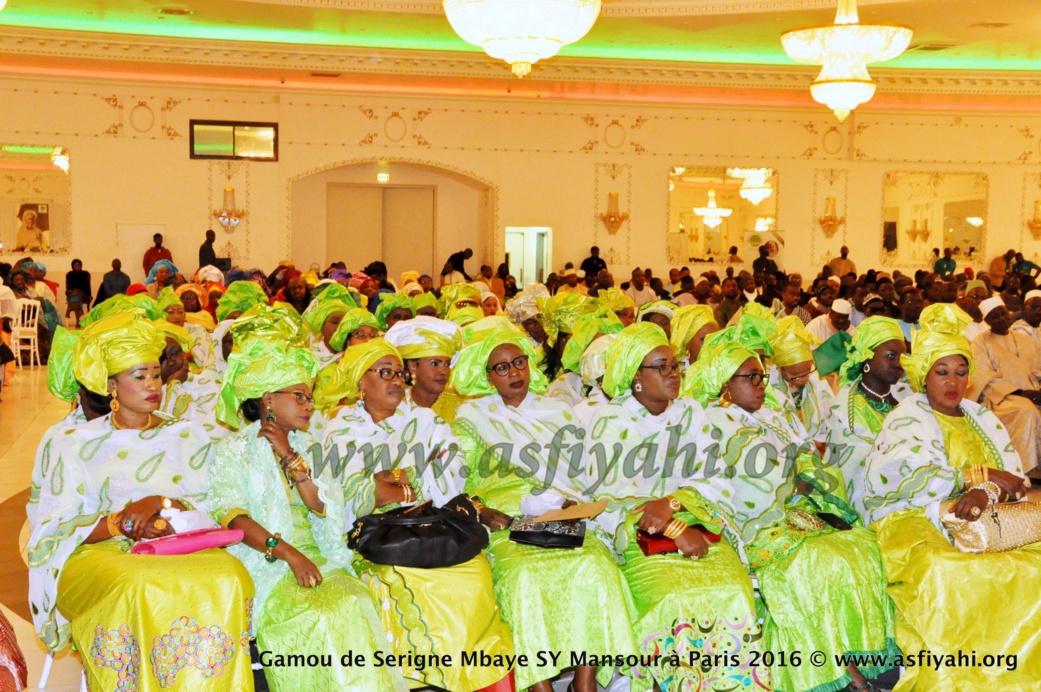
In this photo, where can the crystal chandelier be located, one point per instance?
(756, 183)
(843, 50)
(521, 32)
(712, 215)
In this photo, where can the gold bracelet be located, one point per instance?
(674, 529)
(478, 505)
(675, 505)
(113, 524)
(410, 496)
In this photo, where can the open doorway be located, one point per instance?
(529, 253)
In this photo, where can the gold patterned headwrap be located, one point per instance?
(714, 368)
(178, 334)
(114, 344)
(425, 337)
(687, 321)
(792, 344)
(942, 334)
(260, 367)
(338, 381)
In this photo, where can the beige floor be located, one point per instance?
(27, 410)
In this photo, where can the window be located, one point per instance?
(222, 139)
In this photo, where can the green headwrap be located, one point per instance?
(942, 334)
(687, 321)
(339, 381)
(425, 300)
(616, 301)
(112, 345)
(240, 297)
(562, 312)
(715, 366)
(60, 378)
(334, 291)
(754, 326)
(829, 356)
(168, 297)
(593, 365)
(390, 302)
(870, 334)
(141, 305)
(353, 319)
(666, 308)
(792, 344)
(425, 337)
(277, 325)
(450, 295)
(603, 321)
(470, 374)
(178, 334)
(626, 353)
(258, 368)
(318, 312)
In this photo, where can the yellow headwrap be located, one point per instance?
(240, 297)
(339, 381)
(353, 319)
(409, 277)
(687, 321)
(626, 353)
(715, 366)
(871, 333)
(792, 344)
(60, 378)
(141, 304)
(278, 325)
(168, 297)
(423, 300)
(334, 291)
(470, 374)
(450, 295)
(614, 300)
(198, 290)
(942, 334)
(114, 344)
(178, 334)
(425, 337)
(562, 312)
(258, 368)
(604, 321)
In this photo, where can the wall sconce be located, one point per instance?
(229, 217)
(1034, 224)
(613, 220)
(830, 223)
(916, 233)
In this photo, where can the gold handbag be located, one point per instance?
(1004, 526)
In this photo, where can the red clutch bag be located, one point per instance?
(188, 542)
(656, 544)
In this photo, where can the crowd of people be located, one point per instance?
(779, 462)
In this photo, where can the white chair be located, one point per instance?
(24, 331)
(46, 673)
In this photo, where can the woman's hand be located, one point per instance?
(140, 515)
(656, 515)
(494, 519)
(692, 543)
(277, 436)
(388, 493)
(1009, 482)
(974, 499)
(305, 571)
(151, 531)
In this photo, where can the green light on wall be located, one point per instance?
(23, 149)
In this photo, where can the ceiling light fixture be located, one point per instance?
(844, 49)
(755, 186)
(521, 32)
(712, 215)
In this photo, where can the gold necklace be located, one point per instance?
(117, 426)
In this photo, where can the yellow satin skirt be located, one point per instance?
(158, 622)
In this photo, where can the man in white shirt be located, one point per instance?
(638, 290)
(1029, 319)
(571, 283)
(837, 320)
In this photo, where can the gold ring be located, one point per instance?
(975, 512)
(313, 581)
(396, 475)
(160, 524)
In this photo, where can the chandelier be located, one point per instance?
(756, 183)
(843, 49)
(521, 32)
(712, 215)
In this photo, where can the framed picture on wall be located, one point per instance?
(34, 226)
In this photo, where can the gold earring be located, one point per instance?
(726, 399)
(637, 387)
(114, 404)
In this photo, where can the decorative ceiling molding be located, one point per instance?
(32, 45)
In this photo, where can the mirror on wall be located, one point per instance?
(713, 208)
(925, 213)
(35, 199)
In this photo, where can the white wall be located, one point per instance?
(545, 164)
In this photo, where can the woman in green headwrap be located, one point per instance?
(140, 304)
(793, 377)
(173, 312)
(823, 588)
(322, 317)
(292, 516)
(461, 303)
(113, 481)
(561, 315)
(442, 610)
(691, 324)
(427, 346)
(620, 304)
(240, 297)
(936, 445)
(357, 326)
(569, 387)
(425, 304)
(393, 308)
(659, 312)
(699, 600)
(554, 600)
(871, 386)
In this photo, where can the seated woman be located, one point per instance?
(659, 312)
(393, 308)
(934, 446)
(306, 603)
(173, 312)
(425, 304)
(322, 317)
(111, 482)
(620, 304)
(698, 601)
(690, 325)
(592, 367)
(155, 282)
(871, 387)
(568, 387)
(427, 346)
(356, 327)
(823, 588)
(554, 600)
(802, 393)
(441, 610)
(561, 315)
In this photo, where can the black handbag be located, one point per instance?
(548, 534)
(422, 536)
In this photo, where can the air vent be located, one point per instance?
(989, 25)
(176, 12)
(934, 47)
(327, 75)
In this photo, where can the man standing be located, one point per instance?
(593, 265)
(840, 266)
(207, 256)
(1025, 266)
(77, 291)
(156, 253)
(763, 263)
(946, 266)
(837, 320)
(1000, 266)
(638, 290)
(113, 283)
(455, 264)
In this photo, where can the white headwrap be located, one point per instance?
(593, 363)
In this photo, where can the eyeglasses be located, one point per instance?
(755, 378)
(301, 398)
(800, 376)
(467, 304)
(388, 374)
(503, 369)
(665, 370)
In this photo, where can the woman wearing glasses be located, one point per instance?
(871, 388)
(518, 446)
(442, 610)
(823, 588)
(804, 395)
(292, 517)
(696, 598)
